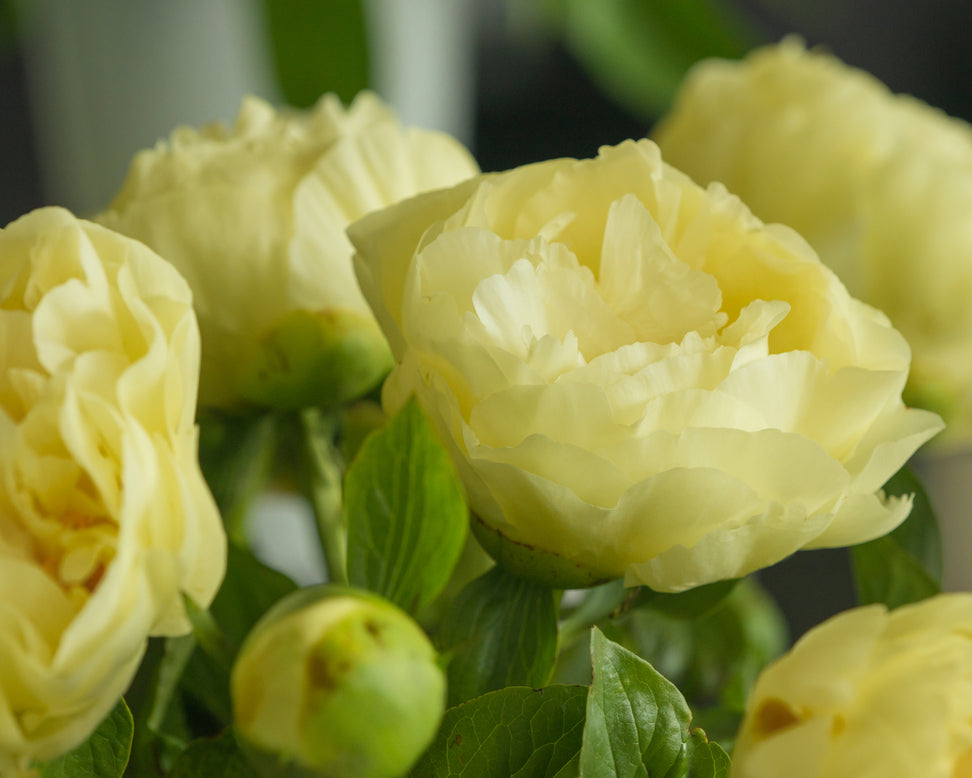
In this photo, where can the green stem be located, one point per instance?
(236, 455)
(323, 477)
(598, 604)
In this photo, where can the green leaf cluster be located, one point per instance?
(629, 721)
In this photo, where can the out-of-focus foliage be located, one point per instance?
(639, 50)
(318, 47)
(8, 26)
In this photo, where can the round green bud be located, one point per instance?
(336, 682)
(323, 358)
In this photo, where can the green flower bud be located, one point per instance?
(336, 682)
(323, 358)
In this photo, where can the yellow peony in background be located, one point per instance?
(880, 185)
(105, 520)
(635, 376)
(254, 217)
(868, 694)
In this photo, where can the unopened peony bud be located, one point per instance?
(253, 215)
(336, 682)
(325, 358)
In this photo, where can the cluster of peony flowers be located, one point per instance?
(880, 185)
(105, 520)
(635, 376)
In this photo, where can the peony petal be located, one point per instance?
(729, 551)
(647, 285)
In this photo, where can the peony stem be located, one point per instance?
(323, 471)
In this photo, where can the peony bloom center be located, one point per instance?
(62, 442)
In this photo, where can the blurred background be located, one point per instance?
(84, 84)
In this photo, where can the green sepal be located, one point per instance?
(537, 564)
(315, 359)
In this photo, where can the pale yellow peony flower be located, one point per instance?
(880, 185)
(254, 218)
(635, 374)
(868, 694)
(105, 519)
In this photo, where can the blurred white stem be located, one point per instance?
(422, 58)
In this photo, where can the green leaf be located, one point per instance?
(510, 733)
(318, 47)
(639, 50)
(358, 421)
(702, 759)
(500, 631)
(638, 722)
(155, 705)
(715, 658)
(103, 755)
(720, 725)
(236, 454)
(904, 566)
(918, 534)
(884, 572)
(218, 757)
(407, 518)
